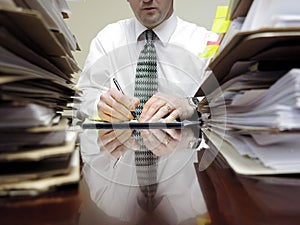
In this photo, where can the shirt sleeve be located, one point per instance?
(94, 79)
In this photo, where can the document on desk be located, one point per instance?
(96, 124)
(250, 158)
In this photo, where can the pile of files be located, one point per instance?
(38, 152)
(252, 104)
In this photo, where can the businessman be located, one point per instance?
(115, 54)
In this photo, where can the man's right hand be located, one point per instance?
(117, 142)
(114, 106)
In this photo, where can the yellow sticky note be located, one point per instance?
(203, 221)
(222, 12)
(220, 25)
(209, 51)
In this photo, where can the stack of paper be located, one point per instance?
(260, 120)
(249, 15)
(251, 109)
(250, 103)
(37, 152)
(278, 14)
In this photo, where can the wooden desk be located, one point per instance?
(229, 198)
(234, 199)
(60, 207)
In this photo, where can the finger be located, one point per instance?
(163, 149)
(150, 141)
(123, 135)
(105, 138)
(111, 146)
(109, 117)
(153, 139)
(135, 103)
(124, 99)
(150, 108)
(118, 151)
(130, 145)
(173, 115)
(116, 144)
(175, 134)
(161, 113)
(160, 135)
(119, 104)
(125, 103)
(155, 113)
(107, 109)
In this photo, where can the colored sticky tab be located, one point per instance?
(209, 51)
(220, 25)
(222, 12)
(203, 221)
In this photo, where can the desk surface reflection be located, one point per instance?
(195, 185)
(115, 190)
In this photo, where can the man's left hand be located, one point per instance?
(166, 107)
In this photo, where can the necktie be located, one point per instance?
(146, 169)
(145, 87)
(146, 72)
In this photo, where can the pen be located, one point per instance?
(118, 85)
(117, 161)
(120, 89)
(132, 112)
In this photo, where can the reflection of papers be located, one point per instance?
(40, 152)
(270, 199)
(271, 159)
(66, 175)
(256, 154)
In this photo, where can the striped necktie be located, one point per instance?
(146, 72)
(146, 86)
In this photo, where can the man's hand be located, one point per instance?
(114, 106)
(117, 142)
(167, 107)
(162, 142)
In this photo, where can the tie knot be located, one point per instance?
(150, 35)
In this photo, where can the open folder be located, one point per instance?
(248, 48)
(96, 124)
(246, 165)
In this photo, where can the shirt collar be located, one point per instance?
(163, 31)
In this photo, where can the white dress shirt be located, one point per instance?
(114, 53)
